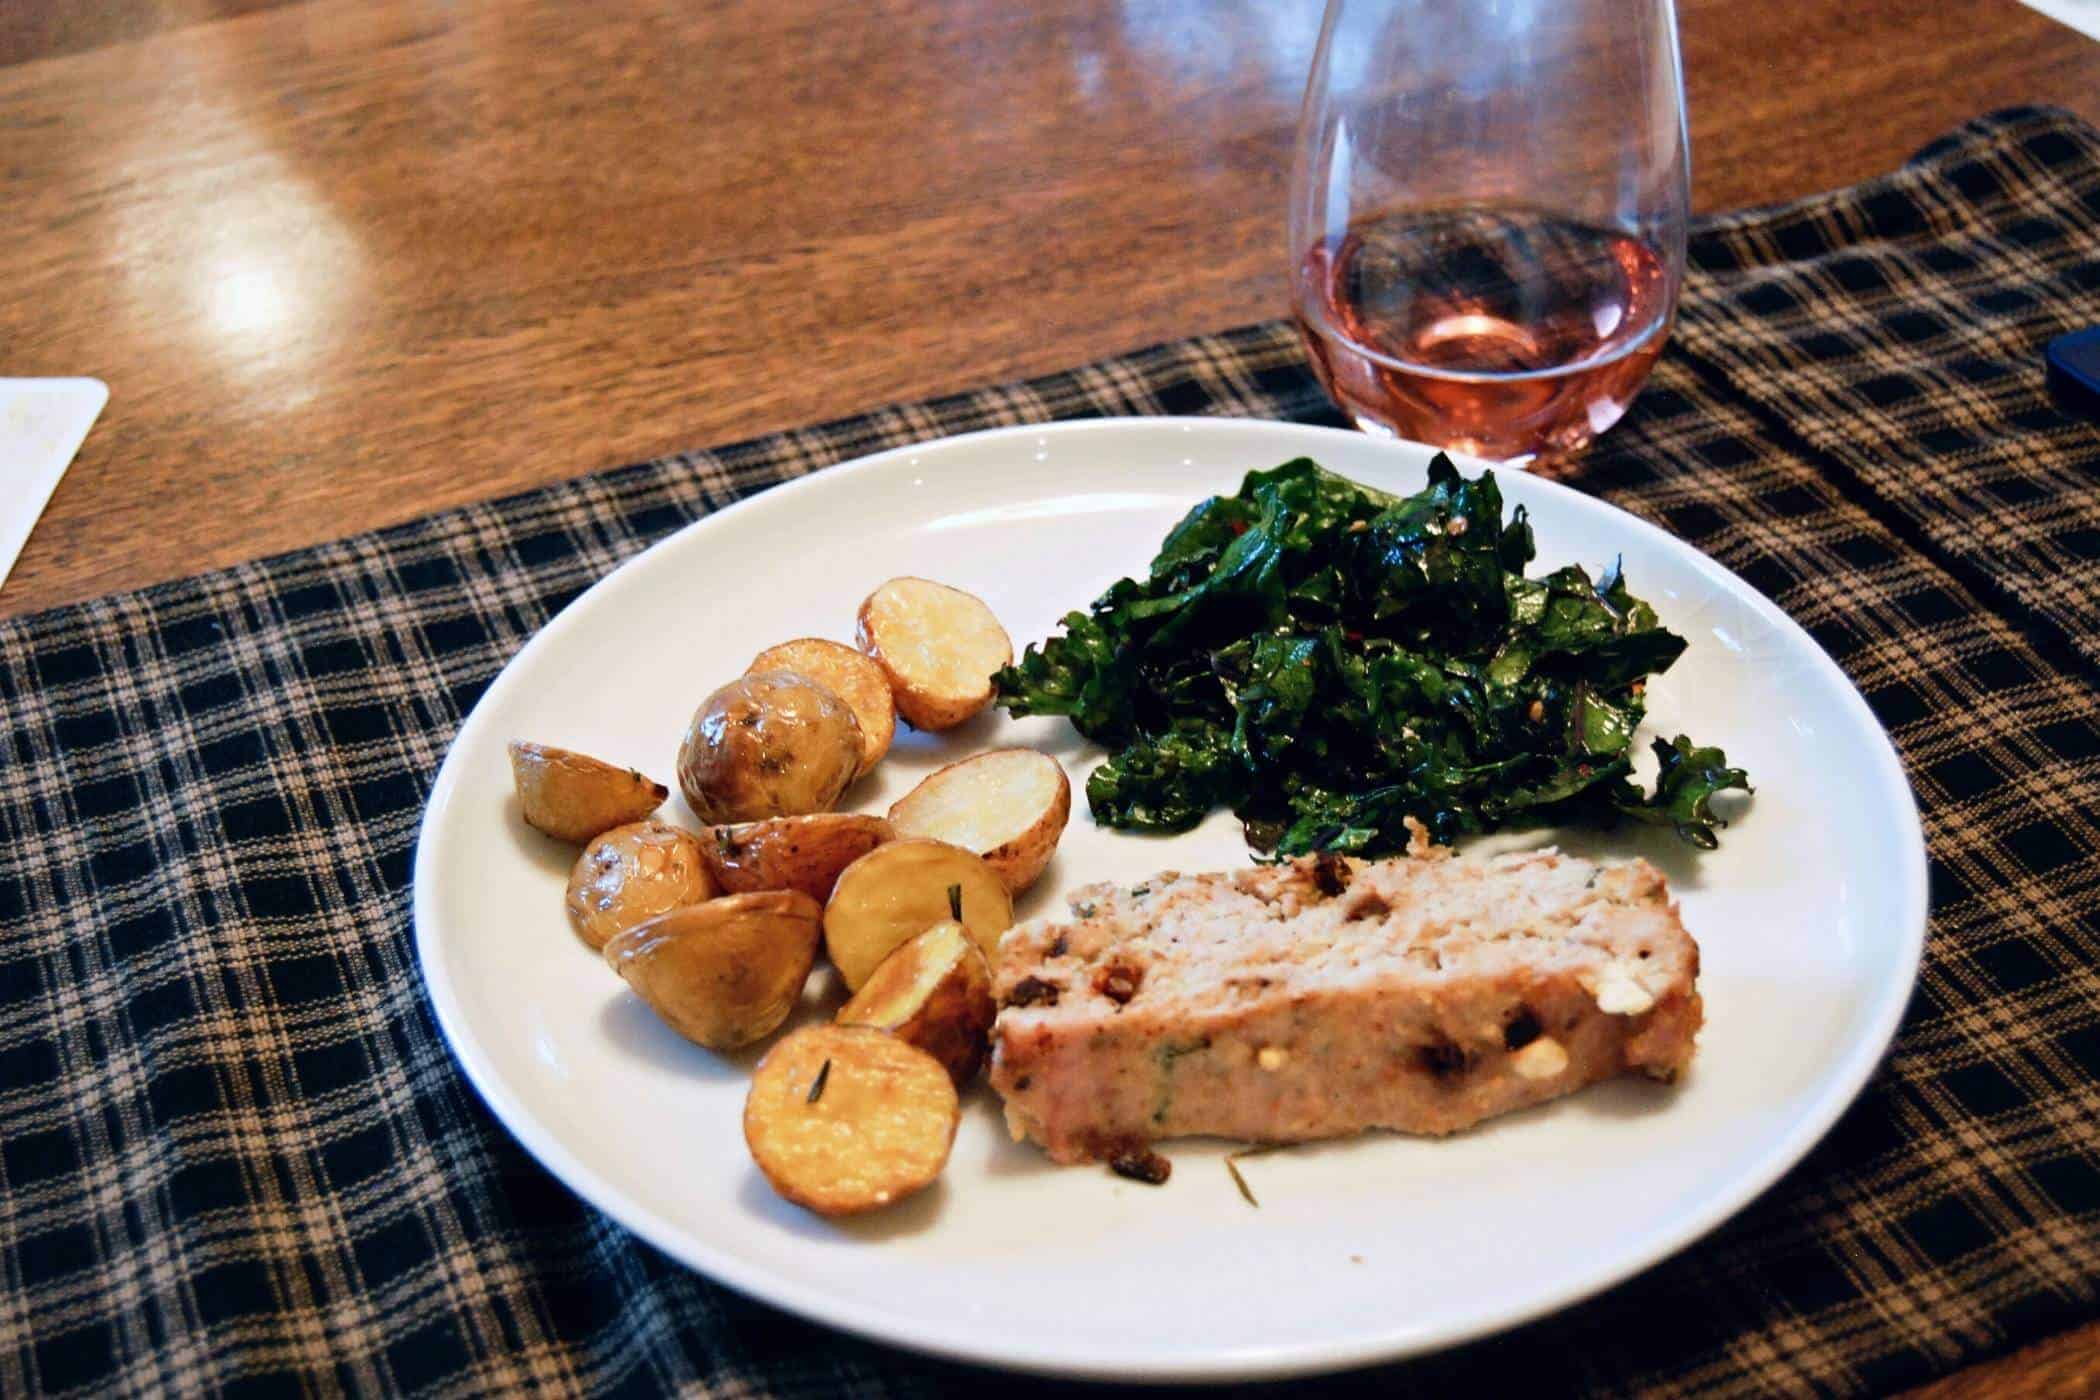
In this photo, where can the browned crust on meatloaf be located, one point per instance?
(1325, 997)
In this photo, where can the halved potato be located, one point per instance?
(768, 744)
(936, 992)
(791, 853)
(848, 674)
(1008, 806)
(939, 647)
(897, 891)
(723, 973)
(632, 873)
(574, 797)
(844, 1119)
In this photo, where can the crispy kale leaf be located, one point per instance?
(1327, 660)
(1684, 789)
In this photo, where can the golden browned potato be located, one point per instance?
(723, 973)
(632, 873)
(897, 891)
(768, 744)
(845, 1119)
(936, 992)
(1009, 806)
(847, 674)
(939, 647)
(574, 797)
(791, 853)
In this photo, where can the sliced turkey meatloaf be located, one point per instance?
(1327, 996)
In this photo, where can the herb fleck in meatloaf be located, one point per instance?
(1328, 996)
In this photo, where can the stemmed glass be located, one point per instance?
(1487, 216)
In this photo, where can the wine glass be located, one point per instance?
(1487, 216)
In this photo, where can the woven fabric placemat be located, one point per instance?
(235, 1152)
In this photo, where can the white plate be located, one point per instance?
(1811, 919)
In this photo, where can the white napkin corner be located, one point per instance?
(42, 424)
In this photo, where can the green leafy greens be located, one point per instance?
(1327, 659)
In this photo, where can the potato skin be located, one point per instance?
(768, 744)
(633, 873)
(924, 705)
(574, 797)
(936, 993)
(898, 891)
(791, 853)
(725, 973)
(878, 1131)
(848, 674)
(1019, 860)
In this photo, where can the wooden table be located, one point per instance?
(346, 261)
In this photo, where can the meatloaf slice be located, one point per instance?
(1328, 996)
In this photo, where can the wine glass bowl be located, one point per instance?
(1487, 216)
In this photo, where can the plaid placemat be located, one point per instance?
(234, 1151)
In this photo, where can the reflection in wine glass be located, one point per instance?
(1487, 216)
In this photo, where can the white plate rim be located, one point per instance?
(1836, 1093)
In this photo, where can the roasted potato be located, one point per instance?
(897, 891)
(851, 676)
(768, 744)
(936, 992)
(1008, 806)
(574, 797)
(632, 873)
(791, 853)
(844, 1119)
(723, 973)
(939, 647)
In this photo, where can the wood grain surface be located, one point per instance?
(346, 261)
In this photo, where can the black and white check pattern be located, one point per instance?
(234, 1152)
